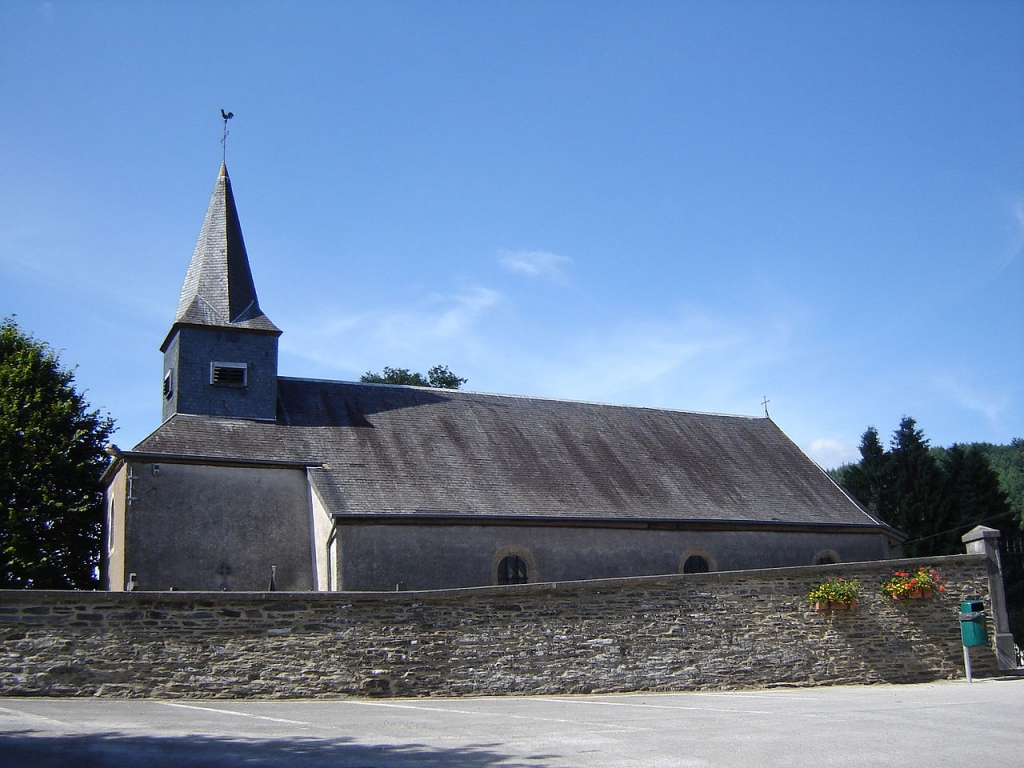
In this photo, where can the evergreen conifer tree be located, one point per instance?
(916, 490)
(971, 494)
(932, 495)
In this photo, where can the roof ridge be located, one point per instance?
(524, 397)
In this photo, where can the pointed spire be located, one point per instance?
(218, 289)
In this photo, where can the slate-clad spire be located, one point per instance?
(220, 356)
(218, 289)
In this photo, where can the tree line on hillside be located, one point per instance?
(935, 495)
(1008, 462)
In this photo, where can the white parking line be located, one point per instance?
(232, 712)
(734, 695)
(599, 703)
(19, 713)
(350, 702)
(449, 710)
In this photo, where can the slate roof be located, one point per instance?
(411, 451)
(218, 289)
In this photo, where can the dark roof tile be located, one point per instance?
(408, 450)
(218, 289)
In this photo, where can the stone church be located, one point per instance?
(256, 481)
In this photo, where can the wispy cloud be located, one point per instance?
(535, 263)
(63, 274)
(830, 453)
(441, 316)
(693, 359)
(430, 330)
(639, 355)
(1016, 246)
(463, 312)
(988, 402)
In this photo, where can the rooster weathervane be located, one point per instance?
(224, 138)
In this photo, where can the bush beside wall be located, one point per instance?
(679, 632)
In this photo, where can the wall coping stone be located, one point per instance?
(93, 596)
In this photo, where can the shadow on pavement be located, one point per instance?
(32, 749)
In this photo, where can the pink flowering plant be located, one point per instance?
(904, 585)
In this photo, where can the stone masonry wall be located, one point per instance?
(678, 632)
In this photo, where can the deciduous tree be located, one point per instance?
(51, 460)
(438, 377)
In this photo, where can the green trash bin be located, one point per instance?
(972, 623)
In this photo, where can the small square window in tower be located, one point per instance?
(168, 385)
(228, 374)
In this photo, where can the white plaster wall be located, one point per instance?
(115, 576)
(321, 527)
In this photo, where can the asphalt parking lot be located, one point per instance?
(934, 724)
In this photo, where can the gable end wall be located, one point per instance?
(197, 527)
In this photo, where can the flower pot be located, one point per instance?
(833, 605)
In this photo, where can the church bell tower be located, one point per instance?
(220, 356)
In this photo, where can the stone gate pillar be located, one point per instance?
(985, 541)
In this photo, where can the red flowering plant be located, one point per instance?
(907, 585)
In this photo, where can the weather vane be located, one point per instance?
(224, 138)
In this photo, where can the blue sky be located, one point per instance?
(688, 205)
